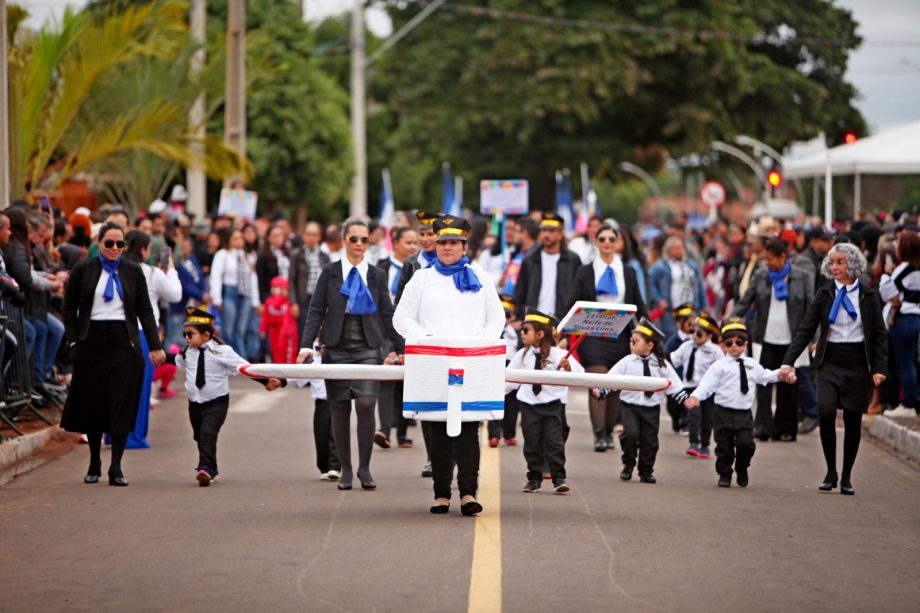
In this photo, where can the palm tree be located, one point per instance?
(95, 93)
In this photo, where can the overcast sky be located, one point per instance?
(886, 74)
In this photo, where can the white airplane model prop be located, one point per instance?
(458, 379)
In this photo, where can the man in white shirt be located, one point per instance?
(780, 295)
(547, 274)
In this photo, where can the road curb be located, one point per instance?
(904, 440)
(21, 454)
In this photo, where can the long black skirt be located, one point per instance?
(843, 378)
(352, 349)
(108, 373)
(595, 351)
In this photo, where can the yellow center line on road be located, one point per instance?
(486, 578)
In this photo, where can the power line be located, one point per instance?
(662, 31)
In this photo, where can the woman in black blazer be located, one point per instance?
(606, 279)
(352, 313)
(104, 299)
(851, 356)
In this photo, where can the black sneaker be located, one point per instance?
(725, 480)
(647, 478)
(560, 487)
(626, 473)
(532, 486)
(742, 477)
(426, 470)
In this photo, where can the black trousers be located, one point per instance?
(543, 426)
(699, 420)
(786, 420)
(326, 457)
(734, 436)
(461, 451)
(389, 409)
(506, 427)
(640, 434)
(207, 419)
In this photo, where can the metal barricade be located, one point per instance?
(16, 371)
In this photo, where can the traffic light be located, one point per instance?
(850, 138)
(775, 179)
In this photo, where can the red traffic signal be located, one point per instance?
(850, 138)
(774, 178)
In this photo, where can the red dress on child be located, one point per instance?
(281, 328)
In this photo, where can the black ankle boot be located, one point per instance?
(829, 483)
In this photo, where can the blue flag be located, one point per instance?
(564, 200)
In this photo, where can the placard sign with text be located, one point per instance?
(238, 202)
(507, 197)
(597, 319)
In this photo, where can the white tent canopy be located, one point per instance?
(893, 152)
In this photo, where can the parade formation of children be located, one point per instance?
(542, 406)
(208, 364)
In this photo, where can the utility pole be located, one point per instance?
(4, 114)
(235, 104)
(358, 205)
(195, 178)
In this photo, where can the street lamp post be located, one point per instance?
(646, 178)
(747, 141)
(748, 160)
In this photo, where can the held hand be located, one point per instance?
(564, 365)
(273, 384)
(596, 392)
(691, 403)
(304, 355)
(784, 371)
(157, 357)
(391, 358)
(259, 309)
(401, 360)
(878, 378)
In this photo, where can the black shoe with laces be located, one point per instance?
(742, 477)
(626, 473)
(647, 478)
(532, 486)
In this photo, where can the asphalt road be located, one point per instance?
(271, 535)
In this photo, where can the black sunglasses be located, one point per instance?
(189, 334)
(699, 333)
(113, 243)
(606, 239)
(732, 342)
(358, 239)
(526, 329)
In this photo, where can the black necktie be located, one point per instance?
(199, 373)
(646, 372)
(690, 364)
(744, 385)
(537, 365)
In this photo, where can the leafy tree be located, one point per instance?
(297, 115)
(71, 113)
(505, 98)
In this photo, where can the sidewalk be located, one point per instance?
(901, 433)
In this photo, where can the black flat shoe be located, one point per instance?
(600, 441)
(368, 485)
(117, 479)
(439, 509)
(725, 481)
(471, 508)
(91, 478)
(647, 478)
(742, 477)
(829, 483)
(846, 488)
(343, 485)
(626, 474)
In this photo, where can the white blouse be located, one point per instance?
(843, 329)
(600, 267)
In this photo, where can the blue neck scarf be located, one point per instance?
(607, 284)
(430, 256)
(778, 279)
(360, 301)
(843, 299)
(114, 282)
(465, 279)
(394, 286)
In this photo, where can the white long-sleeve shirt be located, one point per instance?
(888, 290)
(161, 285)
(632, 365)
(220, 362)
(224, 272)
(526, 358)
(724, 380)
(706, 354)
(431, 305)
